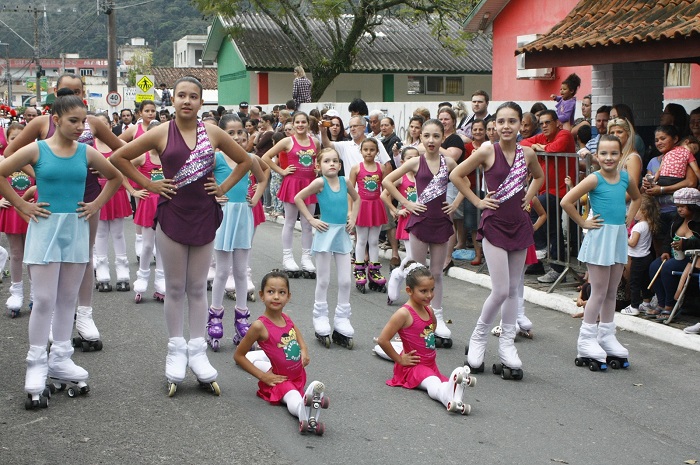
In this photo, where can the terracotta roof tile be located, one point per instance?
(594, 23)
(207, 76)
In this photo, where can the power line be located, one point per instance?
(132, 5)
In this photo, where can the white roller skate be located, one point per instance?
(230, 287)
(16, 300)
(616, 353)
(88, 335)
(64, 372)
(342, 329)
(443, 335)
(590, 353)
(310, 411)
(396, 344)
(200, 366)
(523, 324)
(138, 246)
(307, 265)
(102, 276)
(393, 288)
(477, 347)
(121, 262)
(159, 286)
(510, 367)
(459, 380)
(141, 284)
(38, 394)
(251, 286)
(322, 326)
(289, 265)
(175, 363)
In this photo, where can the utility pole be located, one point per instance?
(7, 72)
(107, 6)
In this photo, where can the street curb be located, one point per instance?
(560, 303)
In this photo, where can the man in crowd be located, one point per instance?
(30, 113)
(349, 151)
(375, 117)
(127, 119)
(480, 110)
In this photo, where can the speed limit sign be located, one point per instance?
(114, 99)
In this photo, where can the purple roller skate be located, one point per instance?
(241, 324)
(377, 282)
(215, 327)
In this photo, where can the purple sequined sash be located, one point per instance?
(515, 181)
(86, 137)
(437, 186)
(199, 163)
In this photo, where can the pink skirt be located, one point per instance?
(531, 256)
(11, 222)
(372, 213)
(274, 394)
(258, 214)
(146, 210)
(116, 207)
(401, 233)
(411, 377)
(291, 186)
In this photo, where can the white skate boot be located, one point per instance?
(322, 325)
(230, 287)
(379, 352)
(102, 274)
(138, 246)
(63, 371)
(289, 265)
(314, 401)
(159, 286)
(307, 265)
(443, 335)
(393, 288)
(477, 347)
(523, 324)
(459, 380)
(251, 286)
(121, 263)
(589, 351)
(88, 335)
(16, 300)
(200, 366)
(342, 329)
(141, 284)
(35, 379)
(616, 353)
(175, 363)
(510, 367)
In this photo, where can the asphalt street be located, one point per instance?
(557, 414)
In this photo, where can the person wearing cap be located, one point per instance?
(686, 227)
(243, 109)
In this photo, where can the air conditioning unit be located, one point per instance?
(536, 73)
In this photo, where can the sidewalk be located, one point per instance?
(563, 299)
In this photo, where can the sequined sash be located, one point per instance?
(199, 163)
(515, 181)
(437, 186)
(87, 137)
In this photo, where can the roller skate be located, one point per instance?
(360, 276)
(459, 380)
(510, 367)
(16, 300)
(443, 335)
(102, 277)
(138, 246)
(159, 286)
(230, 287)
(289, 265)
(141, 284)
(307, 266)
(38, 394)
(523, 324)
(175, 363)
(477, 347)
(322, 326)
(241, 325)
(616, 353)
(122, 265)
(590, 353)
(200, 366)
(342, 329)
(393, 289)
(377, 282)
(215, 327)
(88, 335)
(251, 286)
(63, 372)
(310, 410)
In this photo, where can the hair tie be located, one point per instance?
(412, 267)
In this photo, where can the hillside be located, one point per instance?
(75, 27)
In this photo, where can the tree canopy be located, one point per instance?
(363, 15)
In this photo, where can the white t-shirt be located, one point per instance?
(644, 243)
(350, 154)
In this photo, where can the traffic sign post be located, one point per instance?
(145, 87)
(114, 99)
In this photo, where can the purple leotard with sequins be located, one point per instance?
(192, 216)
(433, 225)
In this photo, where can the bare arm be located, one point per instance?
(400, 319)
(568, 203)
(313, 188)
(256, 332)
(282, 146)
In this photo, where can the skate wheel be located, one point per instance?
(578, 362)
(466, 409)
(471, 381)
(593, 366)
(303, 426)
(505, 373)
(29, 403)
(516, 374)
(496, 369)
(325, 402)
(351, 344)
(137, 298)
(172, 387)
(71, 392)
(215, 345)
(98, 345)
(615, 364)
(320, 429)
(60, 387)
(215, 388)
(51, 387)
(308, 400)
(76, 341)
(447, 343)
(85, 346)
(46, 392)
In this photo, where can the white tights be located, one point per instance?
(436, 389)
(185, 270)
(88, 283)
(508, 266)
(16, 256)
(148, 236)
(604, 281)
(367, 235)
(323, 276)
(115, 229)
(224, 260)
(290, 218)
(438, 253)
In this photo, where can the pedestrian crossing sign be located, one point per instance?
(145, 89)
(145, 84)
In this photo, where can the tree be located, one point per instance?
(140, 63)
(347, 21)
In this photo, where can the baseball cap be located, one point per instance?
(243, 104)
(686, 196)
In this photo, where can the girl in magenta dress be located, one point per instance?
(301, 152)
(505, 228)
(368, 176)
(414, 356)
(280, 365)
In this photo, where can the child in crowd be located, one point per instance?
(604, 249)
(368, 176)
(640, 256)
(566, 101)
(675, 159)
(332, 239)
(280, 365)
(414, 362)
